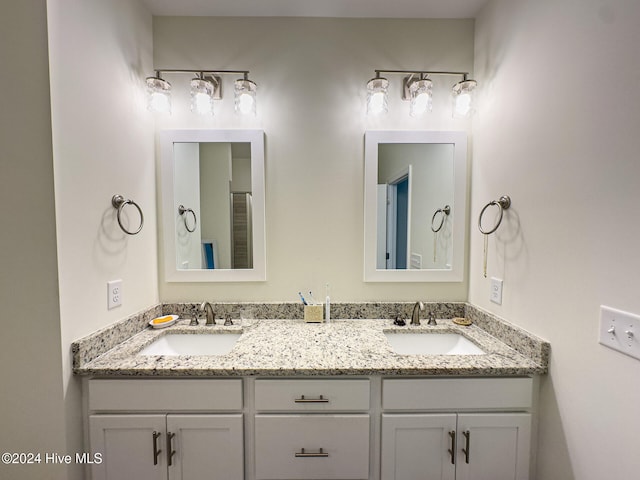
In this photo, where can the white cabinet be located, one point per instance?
(471, 441)
(455, 446)
(416, 447)
(493, 446)
(329, 428)
(309, 438)
(166, 429)
(174, 447)
(125, 443)
(312, 447)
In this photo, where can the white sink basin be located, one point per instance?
(406, 343)
(192, 344)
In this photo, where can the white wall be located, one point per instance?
(31, 395)
(311, 75)
(558, 132)
(100, 53)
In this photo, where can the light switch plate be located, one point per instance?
(496, 291)
(114, 294)
(620, 330)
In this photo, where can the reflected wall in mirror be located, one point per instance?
(213, 205)
(415, 199)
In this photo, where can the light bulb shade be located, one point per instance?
(421, 95)
(202, 96)
(158, 95)
(377, 96)
(463, 98)
(245, 97)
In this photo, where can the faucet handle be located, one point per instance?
(228, 322)
(194, 321)
(432, 320)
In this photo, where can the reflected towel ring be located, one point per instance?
(119, 203)
(183, 211)
(503, 204)
(445, 213)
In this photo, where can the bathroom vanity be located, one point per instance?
(312, 401)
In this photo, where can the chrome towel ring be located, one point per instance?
(503, 204)
(119, 203)
(444, 214)
(183, 212)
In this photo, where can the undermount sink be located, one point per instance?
(409, 343)
(192, 344)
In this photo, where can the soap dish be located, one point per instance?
(164, 321)
(462, 321)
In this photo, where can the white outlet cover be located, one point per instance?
(496, 291)
(620, 331)
(114, 294)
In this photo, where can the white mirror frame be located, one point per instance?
(459, 141)
(256, 137)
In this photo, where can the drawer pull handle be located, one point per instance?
(452, 450)
(170, 451)
(320, 399)
(156, 452)
(467, 436)
(303, 454)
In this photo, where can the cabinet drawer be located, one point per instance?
(280, 440)
(457, 393)
(311, 395)
(165, 395)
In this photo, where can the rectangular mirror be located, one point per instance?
(213, 205)
(415, 206)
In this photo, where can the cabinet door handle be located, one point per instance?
(303, 454)
(452, 450)
(320, 399)
(467, 436)
(170, 450)
(156, 452)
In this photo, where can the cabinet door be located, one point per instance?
(207, 447)
(497, 446)
(418, 447)
(126, 443)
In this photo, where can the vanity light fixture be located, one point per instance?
(421, 95)
(206, 87)
(158, 94)
(245, 96)
(418, 89)
(377, 95)
(462, 97)
(202, 92)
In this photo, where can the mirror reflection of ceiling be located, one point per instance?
(315, 8)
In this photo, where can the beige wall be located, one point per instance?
(311, 76)
(100, 53)
(558, 131)
(31, 396)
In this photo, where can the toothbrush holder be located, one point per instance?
(313, 313)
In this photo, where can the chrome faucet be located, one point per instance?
(208, 309)
(415, 316)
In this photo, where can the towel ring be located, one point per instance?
(445, 213)
(503, 204)
(119, 203)
(183, 211)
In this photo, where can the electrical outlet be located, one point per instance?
(620, 330)
(496, 291)
(114, 294)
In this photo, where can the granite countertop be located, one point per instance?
(295, 348)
